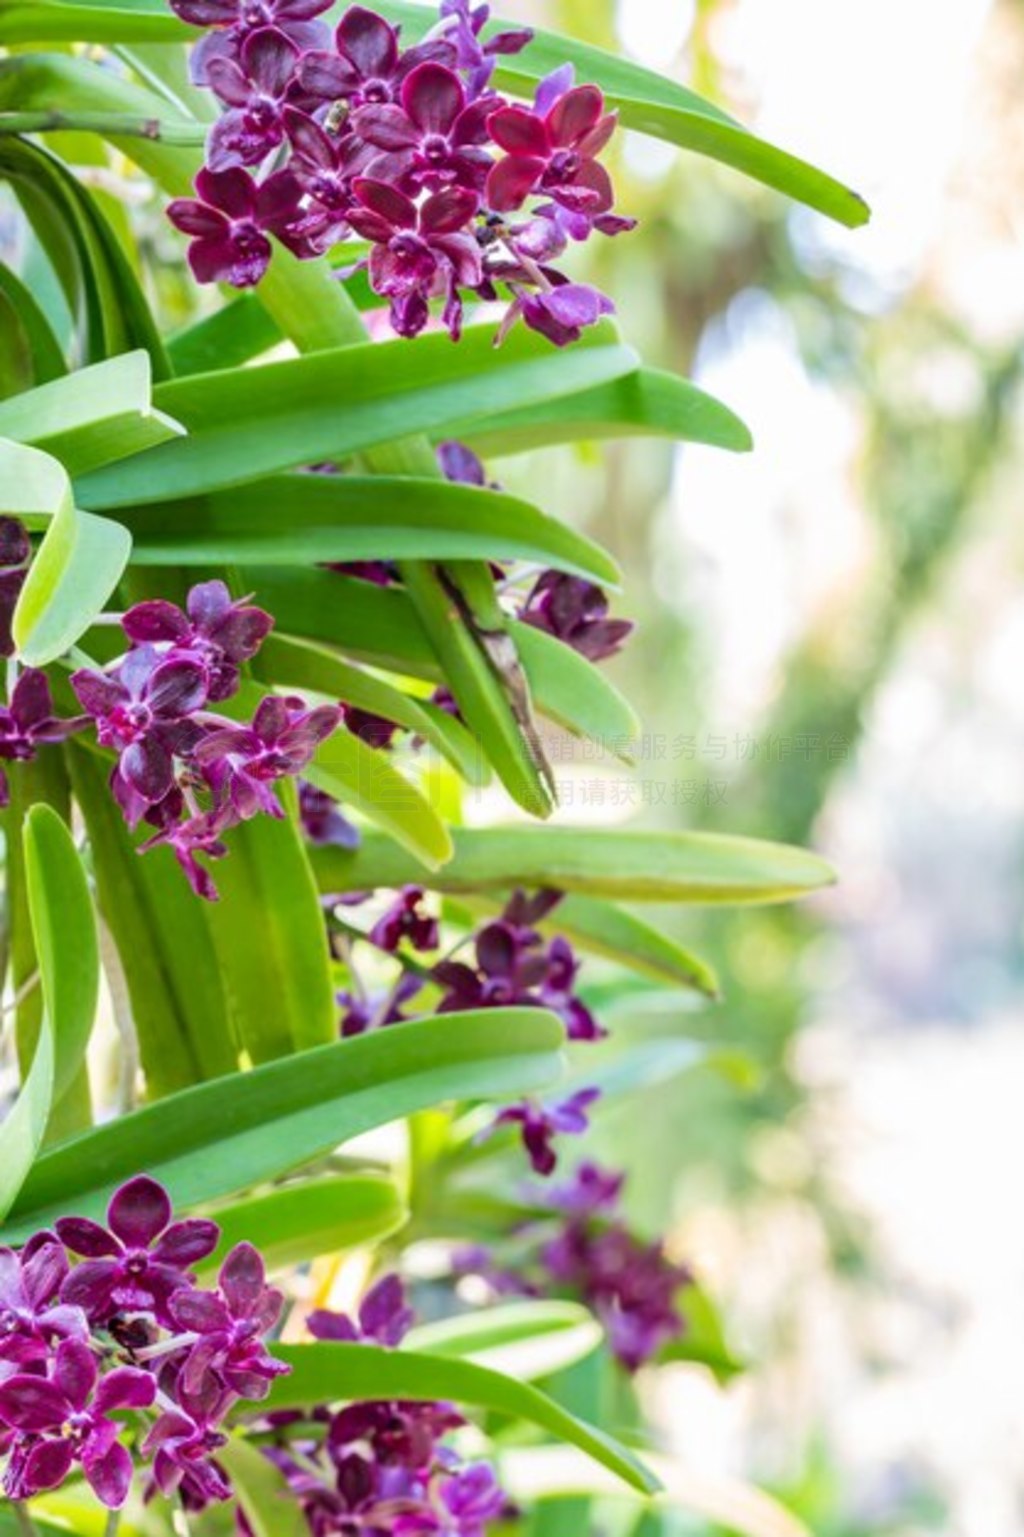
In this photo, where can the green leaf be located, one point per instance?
(225, 1136)
(724, 1503)
(647, 403)
(77, 566)
(299, 1222)
(67, 947)
(704, 1342)
(331, 1373)
(236, 333)
(305, 520)
(379, 626)
(269, 1504)
(44, 355)
(91, 418)
(162, 937)
(621, 865)
(267, 931)
(299, 664)
(359, 776)
(527, 1340)
(250, 422)
(64, 932)
(99, 285)
(90, 21)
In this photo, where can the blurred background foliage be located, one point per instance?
(830, 651)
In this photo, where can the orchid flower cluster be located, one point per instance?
(584, 1250)
(183, 768)
(97, 1322)
(512, 965)
(329, 137)
(380, 1468)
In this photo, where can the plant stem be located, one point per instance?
(113, 1523)
(23, 1519)
(108, 124)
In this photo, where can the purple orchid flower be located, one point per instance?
(136, 1263)
(199, 834)
(184, 1450)
(236, 20)
(31, 1318)
(255, 91)
(541, 1124)
(383, 1319)
(322, 821)
(632, 1287)
(562, 313)
(64, 1418)
(375, 730)
(362, 1013)
(218, 631)
(418, 253)
(142, 709)
(366, 67)
(472, 1499)
(460, 465)
(462, 23)
(433, 139)
(28, 722)
(15, 553)
(553, 149)
(590, 1191)
(230, 1324)
(230, 220)
(576, 612)
(241, 762)
(404, 920)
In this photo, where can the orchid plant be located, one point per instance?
(265, 609)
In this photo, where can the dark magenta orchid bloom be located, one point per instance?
(230, 221)
(418, 252)
(15, 552)
(220, 633)
(230, 1324)
(541, 1124)
(256, 91)
(366, 66)
(241, 762)
(233, 21)
(384, 1318)
(432, 139)
(139, 1260)
(405, 920)
(553, 149)
(64, 1419)
(575, 611)
(28, 723)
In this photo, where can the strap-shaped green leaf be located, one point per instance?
(332, 1373)
(379, 626)
(319, 670)
(267, 931)
(222, 1137)
(301, 1221)
(175, 991)
(704, 868)
(249, 422)
(648, 403)
(304, 520)
(93, 417)
(44, 359)
(78, 564)
(527, 1340)
(64, 930)
(360, 777)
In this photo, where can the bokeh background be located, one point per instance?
(831, 651)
